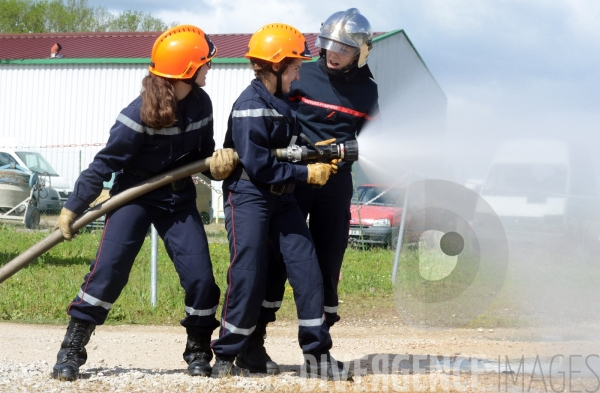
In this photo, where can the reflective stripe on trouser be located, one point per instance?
(250, 221)
(185, 241)
(329, 208)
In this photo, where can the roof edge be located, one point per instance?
(401, 31)
(125, 60)
(388, 34)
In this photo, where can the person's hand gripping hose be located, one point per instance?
(64, 222)
(223, 162)
(318, 173)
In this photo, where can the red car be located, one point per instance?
(380, 210)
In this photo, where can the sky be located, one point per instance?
(503, 64)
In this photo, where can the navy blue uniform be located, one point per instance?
(137, 152)
(259, 205)
(329, 106)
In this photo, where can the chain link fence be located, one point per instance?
(36, 181)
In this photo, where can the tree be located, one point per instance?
(136, 21)
(64, 16)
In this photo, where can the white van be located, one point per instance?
(544, 187)
(55, 190)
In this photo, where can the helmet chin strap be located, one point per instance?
(192, 81)
(278, 75)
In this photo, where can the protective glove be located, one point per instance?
(333, 162)
(319, 173)
(334, 166)
(223, 162)
(64, 222)
(325, 142)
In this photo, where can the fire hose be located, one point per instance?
(319, 152)
(98, 211)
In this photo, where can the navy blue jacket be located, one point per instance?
(259, 122)
(334, 106)
(132, 143)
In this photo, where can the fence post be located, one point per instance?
(153, 264)
(400, 236)
(360, 226)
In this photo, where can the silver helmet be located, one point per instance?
(346, 29)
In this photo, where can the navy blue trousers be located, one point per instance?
(183, 234)
(251, 220)
(329, 221)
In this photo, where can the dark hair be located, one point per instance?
(159, 103)
(262, 68)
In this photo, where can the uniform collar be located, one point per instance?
(281, 104)
(191, 101)
(189, 108)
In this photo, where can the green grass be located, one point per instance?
(40, 292)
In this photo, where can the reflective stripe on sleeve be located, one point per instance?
(130, 123)
(201, 313)
(311, 322)
(163, 131)
(331, 310)
(267, 304)
(93, 301)
(237, 330)
(199, 124)
(262, 112)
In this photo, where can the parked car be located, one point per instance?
(380, 210)
(19, 192)
(55, 189)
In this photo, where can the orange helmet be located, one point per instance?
(275, 42)
(180, 51)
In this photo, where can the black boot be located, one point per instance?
(72, 353)
(255, 358)
(325, 367)
(198, 355)
(224, 367)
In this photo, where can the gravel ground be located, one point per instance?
(133, 358)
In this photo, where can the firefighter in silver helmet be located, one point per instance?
(347, 33)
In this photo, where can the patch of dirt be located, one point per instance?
(161, 347)
(381, 352)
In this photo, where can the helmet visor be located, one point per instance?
(337, 47)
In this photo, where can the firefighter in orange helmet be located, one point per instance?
(167, 126)
(259, 204)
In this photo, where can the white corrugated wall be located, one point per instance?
(65, 111)
(78, 103)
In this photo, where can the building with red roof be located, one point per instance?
(61, 92)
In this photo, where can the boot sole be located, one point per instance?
(61, 377)
(270, 371)
(199, 373)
